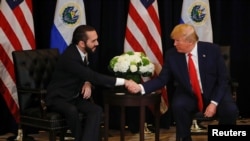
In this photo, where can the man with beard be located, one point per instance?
(70, 87)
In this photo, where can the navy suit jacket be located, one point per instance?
(70, 74)
(213, 73)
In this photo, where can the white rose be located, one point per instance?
(133, 68)
(121, 66)
(148, 68)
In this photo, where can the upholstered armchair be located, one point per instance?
(33, 70)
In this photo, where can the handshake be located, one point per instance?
(132, 86)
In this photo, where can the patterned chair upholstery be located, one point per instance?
(225, 51)
(33, 70)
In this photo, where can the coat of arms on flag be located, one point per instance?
(68, 15)
(197, 13)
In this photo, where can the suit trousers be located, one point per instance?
(185, 106)
(87, 131)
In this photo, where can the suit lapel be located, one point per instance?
(202, 57)
(77, 54)
(182, 65)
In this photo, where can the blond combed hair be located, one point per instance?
(185, 31)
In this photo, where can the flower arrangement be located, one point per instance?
(132, 64)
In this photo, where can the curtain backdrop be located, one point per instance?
(230, 23)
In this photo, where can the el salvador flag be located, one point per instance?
(68, 15)
(197, 13)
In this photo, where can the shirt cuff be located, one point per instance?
(120, 82)
(142, 89)
(215, 103)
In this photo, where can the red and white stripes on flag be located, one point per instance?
(143, 33)
(16, 33)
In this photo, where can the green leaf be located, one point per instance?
(130, 53)
(145, 61)
(113, 61)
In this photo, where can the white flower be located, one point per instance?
(132, 63)
(133, 68)
(149, 68)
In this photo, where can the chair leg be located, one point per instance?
(63, 132)
(195, 126)
(52, 135)
(66, 135)
(146, 130)
(197, 129)
(19, 136)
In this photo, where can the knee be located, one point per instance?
(97, 110)
(178, 105)
(72, 111)
(100, 110)
(229, 111)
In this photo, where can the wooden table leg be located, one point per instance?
(122, 123)
(106, 121)
(157, 121)
(142, 121)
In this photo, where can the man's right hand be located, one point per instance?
(132, 86)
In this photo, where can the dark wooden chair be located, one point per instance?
(33, 70)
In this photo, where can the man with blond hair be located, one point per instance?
(212, 84)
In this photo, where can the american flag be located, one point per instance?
(143, 34)
(16, 33)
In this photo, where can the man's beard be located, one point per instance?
(89, 50)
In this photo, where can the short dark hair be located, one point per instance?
(79, 33)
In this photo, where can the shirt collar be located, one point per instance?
(81, 53)
(194, 51)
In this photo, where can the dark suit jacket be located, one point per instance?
(213, 73)
(70, 74)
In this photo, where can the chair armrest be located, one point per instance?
(34, 91)
(41, 92)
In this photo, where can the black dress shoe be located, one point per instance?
(188, 138)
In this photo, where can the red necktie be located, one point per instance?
(194, 81)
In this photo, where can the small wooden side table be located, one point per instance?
(127, 100)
